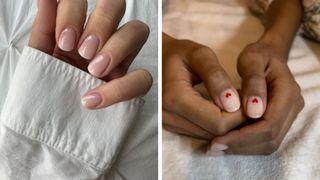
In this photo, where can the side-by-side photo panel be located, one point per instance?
(79, 91)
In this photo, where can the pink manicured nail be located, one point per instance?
(217, 149)
(255, 107)
(67, 39)
(99, 64)
(230, 100)
(89, 47)
(91, 100)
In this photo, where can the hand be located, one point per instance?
(266, 80)
(97, 47)
(185, 110)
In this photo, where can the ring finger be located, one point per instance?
(103, 21)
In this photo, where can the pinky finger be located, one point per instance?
(134, 84)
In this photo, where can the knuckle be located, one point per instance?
(170, 98)
(272, 146)
(198, 50)
(216, 75)
(270, 131)
(219, 128)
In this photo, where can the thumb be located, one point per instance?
(251, 68)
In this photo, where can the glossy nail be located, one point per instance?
(89, 47)
(230, 100)
(254, 107)
(99, 65)
(91, 101)
(67, 39)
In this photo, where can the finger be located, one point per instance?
(102, 23)
(184, 126)
(127, 40)
(134, 84)
(43, 29)
(70, 21)
(254, 88)
(205, 63)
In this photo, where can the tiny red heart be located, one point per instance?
(228, 95)
(255, 100)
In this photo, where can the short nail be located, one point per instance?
(67, 39)
(99, 64)
(91, 100)
(230, 100)
(254, 107)
(89, 47)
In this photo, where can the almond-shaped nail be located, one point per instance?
(230, 100)
(99, 65)
(254, 107)
(89, 47)
(67, 39)
(91, 101)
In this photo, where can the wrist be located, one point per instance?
(278, 42)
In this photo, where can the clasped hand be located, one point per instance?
(200, 101)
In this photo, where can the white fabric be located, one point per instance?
(226, 27)
(45, 133)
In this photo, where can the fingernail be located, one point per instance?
(89, 47)
(230, 100)
(91, 100)
(217, 149)
(67, 39)
(255, 107)
(99, 64)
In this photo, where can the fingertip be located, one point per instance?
(255, 107)
(92, 100)
(230, 100)
(67, 39)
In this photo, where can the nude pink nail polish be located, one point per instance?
(254, 107)
(91, 101)
(89, 47)
(99, 65)
(67, 39)
(230, 100)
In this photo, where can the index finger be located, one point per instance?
(43, 29)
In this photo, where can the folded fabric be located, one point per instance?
(46, 132)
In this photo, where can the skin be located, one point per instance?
(265, 73)
(186, 107)
(121, 44)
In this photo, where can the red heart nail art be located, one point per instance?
(255, 100)
(228, 95)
